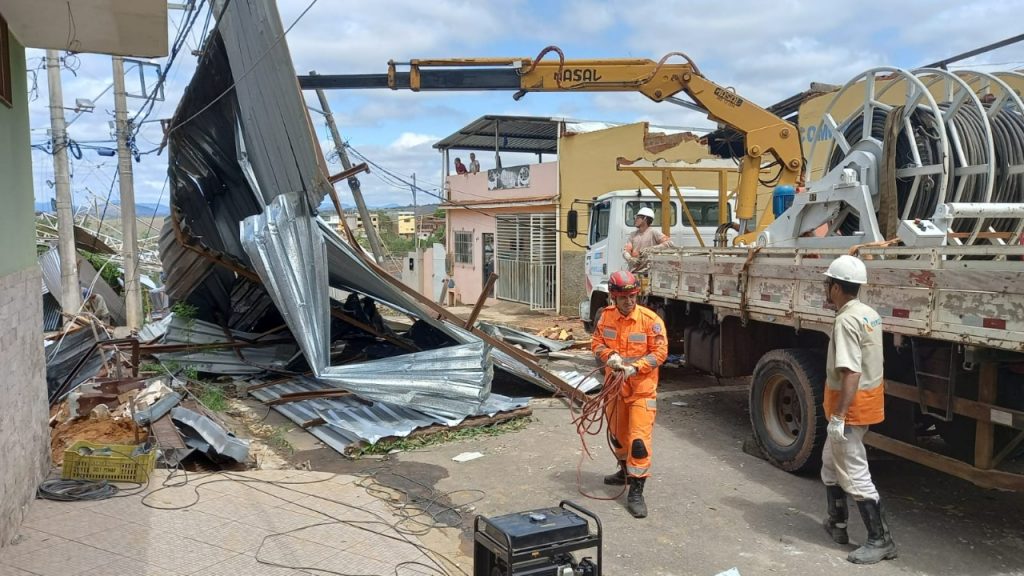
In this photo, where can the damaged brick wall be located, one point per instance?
(657, 142)
(24, 434)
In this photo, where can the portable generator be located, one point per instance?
(537, 543)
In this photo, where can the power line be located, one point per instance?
(409, 184)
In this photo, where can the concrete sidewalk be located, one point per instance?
(226, 524)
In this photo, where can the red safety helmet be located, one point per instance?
(623, 283)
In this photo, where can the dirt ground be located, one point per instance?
(712, 506)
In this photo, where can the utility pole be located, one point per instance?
(71, 296)
(129, 234)
(353, 182)
(416, 236)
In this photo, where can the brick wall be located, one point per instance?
(24, 434)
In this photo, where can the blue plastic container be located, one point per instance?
(782, 198)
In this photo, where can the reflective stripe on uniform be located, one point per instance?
(610, 333)
(630, 359)
(634, 471)
(652, 403)
(638, 337)
(652, 361)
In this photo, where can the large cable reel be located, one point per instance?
(937, 138)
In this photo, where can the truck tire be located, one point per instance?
(786, 408)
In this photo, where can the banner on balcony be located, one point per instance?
(512, 177)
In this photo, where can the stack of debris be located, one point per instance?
(244, 248)
(266, 291)
(97, 395)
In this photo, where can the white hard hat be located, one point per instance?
(645, 211)
(848, 269)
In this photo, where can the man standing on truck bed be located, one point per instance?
(644, 237)
(631, 339)
(854, 399)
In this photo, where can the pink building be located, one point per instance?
(503, 218)
(504, 221)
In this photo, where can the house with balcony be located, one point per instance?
(510, 218)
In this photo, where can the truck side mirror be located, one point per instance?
(572, 224)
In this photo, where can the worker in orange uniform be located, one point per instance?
(854, 400)
(631, 339)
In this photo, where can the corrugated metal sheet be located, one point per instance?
(236, 158)
(284, 152)
(254, 360)
(350, 420)
(62, 354)
(51, 313)
(49, 264)
(508, 133)
(530, 342)
(288, 251)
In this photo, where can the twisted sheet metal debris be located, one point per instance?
(234, 361)
(242, 151)
(288, 251)
(530, 342)
(346, 422)
(65, 352)
(218, 442)
(49, 264)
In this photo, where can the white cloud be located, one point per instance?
(765, 50)
(411, 140)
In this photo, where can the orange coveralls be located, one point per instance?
(639, 339)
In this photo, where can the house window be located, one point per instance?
(463, 247)
(6, 89)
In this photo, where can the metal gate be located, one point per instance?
(526, 259)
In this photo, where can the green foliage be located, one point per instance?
(111, 274)
(211, 396)
(184, 310)
(450, 435)
(279, 439)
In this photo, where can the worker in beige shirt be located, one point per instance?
(854, 400)
(644, 237)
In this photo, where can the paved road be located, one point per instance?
(712, 506)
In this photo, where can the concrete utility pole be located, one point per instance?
(130, 240)
(416, 236)
(71, 295)
(353, 182)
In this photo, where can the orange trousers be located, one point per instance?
(630, 429)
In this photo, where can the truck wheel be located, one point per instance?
(786, 408)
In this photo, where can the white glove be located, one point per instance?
(614, 362)
(837, 429)
(627, 370)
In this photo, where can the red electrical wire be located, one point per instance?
(591, 421)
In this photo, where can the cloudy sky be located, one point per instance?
(765, 50)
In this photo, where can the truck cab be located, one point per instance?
(611, 223)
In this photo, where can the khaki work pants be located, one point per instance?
(846, 464)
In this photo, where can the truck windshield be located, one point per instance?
(705, 213)
(633, 207)
(599, 215)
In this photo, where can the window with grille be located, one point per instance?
(6, 89)
(463, 247)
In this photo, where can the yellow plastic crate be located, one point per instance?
(113, 462)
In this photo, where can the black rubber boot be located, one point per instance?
(635, 499)
(619, 478)
(838, 513)
(879, 545)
